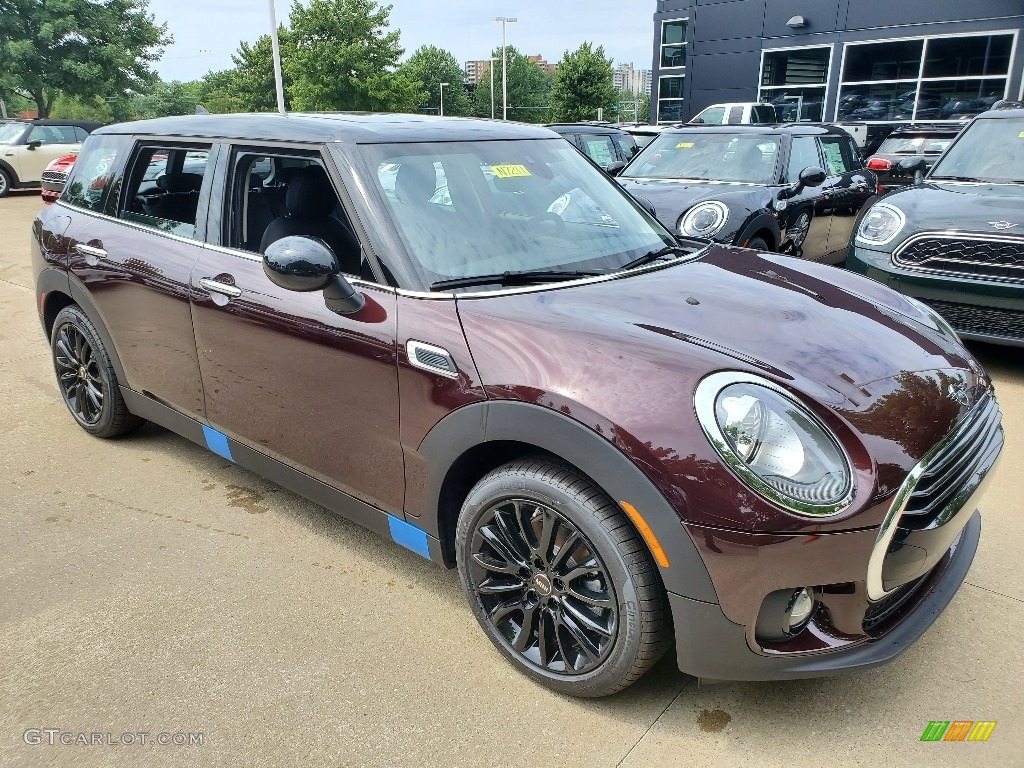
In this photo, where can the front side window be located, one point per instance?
(989, 150)
(710, 116)
(837, 155)
(11, 132)
(673, 43)
(163, 188)
(599, 149)
(53, 134)
(803, 153)
(463, 210)
(704, 156)
(93, 181)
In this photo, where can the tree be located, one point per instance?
(163, 99)
(582, 85)
(72, 108)
(430, 66)
(89, 49)
(252, 83)
(528, 89)
(343, 58)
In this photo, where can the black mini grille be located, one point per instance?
(983, 321)
(1000, 259)
(939, 491)
(888, 605)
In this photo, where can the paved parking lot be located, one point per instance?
(149, 586)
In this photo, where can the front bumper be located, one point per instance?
(709, 645)
(978, 309)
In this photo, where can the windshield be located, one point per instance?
(10, 132)
(469, 209)
(990, 150)
(916, 145)
(708, 156)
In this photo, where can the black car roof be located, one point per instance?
(924, 130)
(792, 129)
(1000, 114)
(325, 127)
(609, 130)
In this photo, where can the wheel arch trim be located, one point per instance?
(761, 221)
(557, 434)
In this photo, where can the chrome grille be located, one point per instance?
(54, 176)
(982, 321)
(999, 258)
(937, 495)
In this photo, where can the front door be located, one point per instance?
(848, 188)
(54, 141)
(809, 214)
(283, 373)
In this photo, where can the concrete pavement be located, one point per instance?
(149, 586)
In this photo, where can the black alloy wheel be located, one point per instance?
(86, 377)
(559, 579)
(799, 228)
(542, 586)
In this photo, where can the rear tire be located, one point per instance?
(86, 378)
(559, 579)
(757, 244)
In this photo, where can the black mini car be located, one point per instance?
(792, 188)
(956, 239)
(608, 146)
(927, 141)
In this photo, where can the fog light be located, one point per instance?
(784, 614)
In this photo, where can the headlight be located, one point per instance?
(881, 224)
(777, 446)
(704, 219)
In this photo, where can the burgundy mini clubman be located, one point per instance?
(465, 336)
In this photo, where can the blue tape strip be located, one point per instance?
(217, 442)
(409, 536)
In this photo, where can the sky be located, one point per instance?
(207, 32)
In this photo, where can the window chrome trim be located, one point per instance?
(875, 589)
(704, 401)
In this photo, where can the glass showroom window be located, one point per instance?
(670, 99)
(795, 80)
(936, 78)
(673, 43)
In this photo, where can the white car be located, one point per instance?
(738, 113)
(28, 146)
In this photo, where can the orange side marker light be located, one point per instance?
(645, 530)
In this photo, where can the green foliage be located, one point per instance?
(89, 49)
(430, 66)
(173, 98)
(73, 108)
(253, 87)
(529, 88)
(342, 57)
(582, 85)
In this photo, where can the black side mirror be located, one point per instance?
(306, 264)
(34, 144)
(614, 169)
(646, 204)
(811, 176)
(915, 166)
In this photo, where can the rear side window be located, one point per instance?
(735, 116)
(803, 153)
(163, 190)
(92, 182)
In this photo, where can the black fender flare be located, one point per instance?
(551, 431)
(760, 220)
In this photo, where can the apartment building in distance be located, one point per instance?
(476, 70)
(629, 80)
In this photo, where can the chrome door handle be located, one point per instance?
(214, 286)
(88, 250)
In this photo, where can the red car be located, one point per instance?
(54, 177)
(465, 336)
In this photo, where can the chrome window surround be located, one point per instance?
(875, 589)
(704, 401)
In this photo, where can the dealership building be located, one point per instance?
(871, 60)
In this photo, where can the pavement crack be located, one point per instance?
(994, 592)
(660, 715)
(16, 285)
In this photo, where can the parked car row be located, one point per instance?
(466, 336)
(27, 147)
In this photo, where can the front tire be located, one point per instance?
(5, 183)
(86, 377)
(559, 579)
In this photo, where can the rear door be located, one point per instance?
(135, 258)
(283, 374)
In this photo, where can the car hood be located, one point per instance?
(942, 206)
(673, 198)
(625, 356)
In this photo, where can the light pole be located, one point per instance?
(442, 98)
(276, 53)
(493, 62)
(505, 20)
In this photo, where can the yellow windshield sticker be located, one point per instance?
(684, 145)
(510, 171)
(1020, 135)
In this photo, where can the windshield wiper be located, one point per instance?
(956, 178)
(661, 253)
(512, 278)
